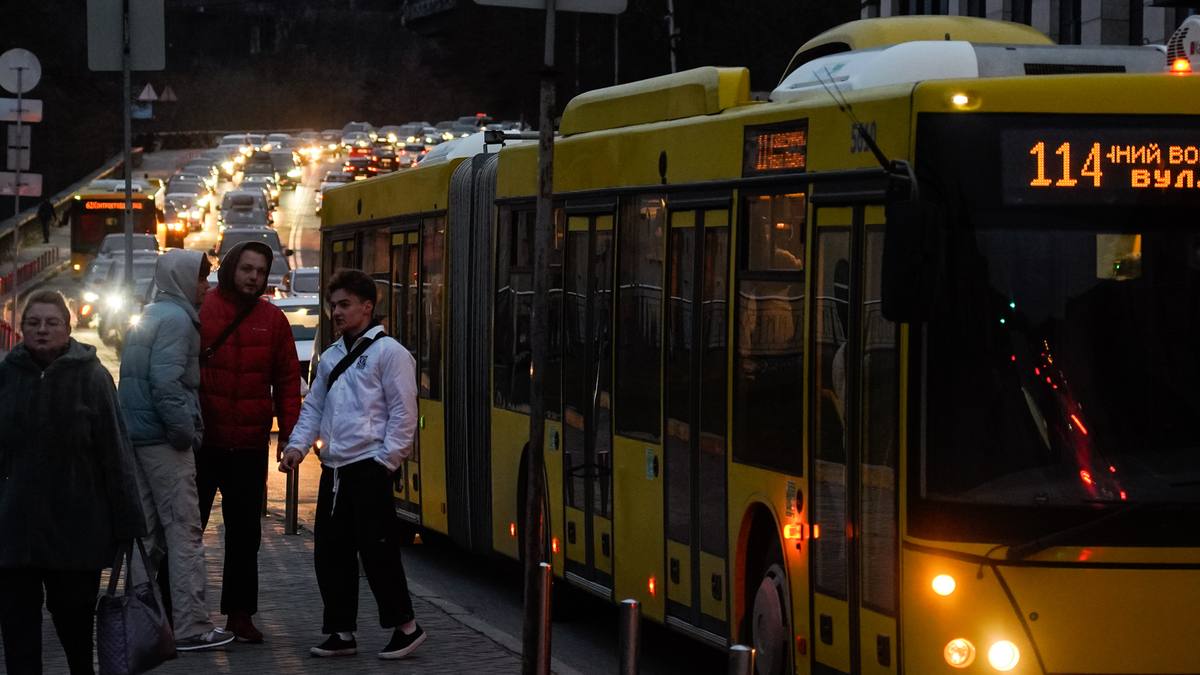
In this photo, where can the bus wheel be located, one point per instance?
(769, 626)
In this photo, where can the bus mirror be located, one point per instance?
(912, 259)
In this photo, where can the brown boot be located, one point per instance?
(243, 629)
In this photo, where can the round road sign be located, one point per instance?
(20, 70)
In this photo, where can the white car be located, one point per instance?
(303, 282)
(303, 314)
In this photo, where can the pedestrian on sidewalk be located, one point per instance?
(160, 379)
(363, 404)
(67, 491)
(249, 374)
(48, 217)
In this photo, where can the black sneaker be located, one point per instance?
(335, 646)
(402, 645)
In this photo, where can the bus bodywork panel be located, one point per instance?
(711, 148)
(419, 190)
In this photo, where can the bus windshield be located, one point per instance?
(1063, 369)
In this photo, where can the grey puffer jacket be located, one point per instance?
(160, 364)
(67, 488)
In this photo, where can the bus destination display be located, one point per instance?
(775, 148)
(1101, 166)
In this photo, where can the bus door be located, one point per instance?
(404, 312)
(586, 388)
(695, 386)
(854, 439)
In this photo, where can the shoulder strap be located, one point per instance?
(237, 320)
(350, 358)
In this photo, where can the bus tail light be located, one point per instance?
(512, 529)
(651, 586)
(959, 653)
(554, 545)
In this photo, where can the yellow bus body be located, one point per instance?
(1067, 609)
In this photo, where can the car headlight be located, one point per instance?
(134, 320)
(197, 214)
(89, 296)
(114, 301)
(294, 172)
(227, 166)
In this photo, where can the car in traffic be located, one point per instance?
(265, 182)
(386, 159)
(287, 167)
(114, 244)
(243, 208)
(186, 209)
(302, 282)
(107, 301)
(303, 315)
(279, 260)
(332, 140)
(361, 167)
(356, 141)
(331, 179)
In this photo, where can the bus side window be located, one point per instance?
(769, 355)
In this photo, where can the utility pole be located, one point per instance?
(126, 149)
(535, 521)
(672, 35)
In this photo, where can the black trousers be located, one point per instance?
(241, 476)
(70, 597)
(360, 522)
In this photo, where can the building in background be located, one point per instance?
(1088, 22)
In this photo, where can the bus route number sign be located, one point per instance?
(1104, 166)
(775, 148)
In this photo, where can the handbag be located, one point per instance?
(133, 634)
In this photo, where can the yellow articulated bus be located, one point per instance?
(896, 372)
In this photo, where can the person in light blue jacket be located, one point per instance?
(159, 394)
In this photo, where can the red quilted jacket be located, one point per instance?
(253, 376)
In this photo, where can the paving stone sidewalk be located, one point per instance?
(290, 617)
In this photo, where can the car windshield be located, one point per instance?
(1063, 369)
(185, 187)
(143, 269)
(307, 282)
(303, 320)
(116, 242)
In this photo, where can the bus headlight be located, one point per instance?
(1004, 656)
(959, 653)
(89, 296)
(114, 301)
(943, 584)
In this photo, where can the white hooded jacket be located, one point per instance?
(371, 412)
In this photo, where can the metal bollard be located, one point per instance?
(741, 660)
(544, 590)
(630, 636)
(291, 502)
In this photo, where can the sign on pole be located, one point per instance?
(587, 6)
(29, 110)
(18, 148)
(20, 71)
(148, 95)
(31, 184)
(147, 31)
(168, 95)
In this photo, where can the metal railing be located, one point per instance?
(28, 271)
(9, 337)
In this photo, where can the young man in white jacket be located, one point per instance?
(363, 405)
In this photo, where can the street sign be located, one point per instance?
(141, 111)
(31, 184)
(168, 95)
(18, 147)
(147, 95)
(20, 71)
(588, 6)
(147, 50)
(31, 110)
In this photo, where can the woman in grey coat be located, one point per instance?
(67, 489)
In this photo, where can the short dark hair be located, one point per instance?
(47, 298)
(353, 281)
(205, 267)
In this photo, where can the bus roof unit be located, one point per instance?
(700, 91)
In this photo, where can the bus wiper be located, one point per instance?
(1022, 551)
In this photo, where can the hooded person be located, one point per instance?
(159, 394)
(249, 375)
